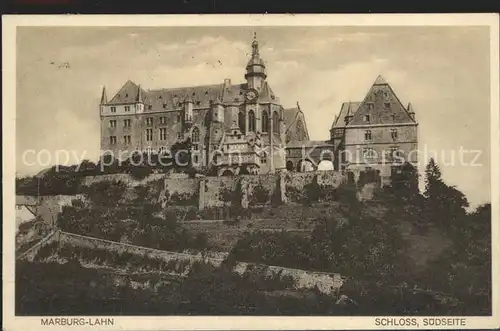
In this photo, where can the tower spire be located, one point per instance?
(139, 94)
(104, 97)
(255, 73)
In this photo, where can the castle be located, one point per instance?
(244, 129)
(235, 126)
(378, 133)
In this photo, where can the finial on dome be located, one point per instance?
(255, 44)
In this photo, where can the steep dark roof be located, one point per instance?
(291, 115)
(347, 109)
(169, 99)
(127, 94)
(374, 102)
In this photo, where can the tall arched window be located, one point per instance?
(265, 121)
(241, 121)
(195, 135)
(251, 121)
(276, 127)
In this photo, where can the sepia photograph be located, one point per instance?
(251, 167)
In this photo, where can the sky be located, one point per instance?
(443, 71)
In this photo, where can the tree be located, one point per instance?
(445, 204)
(404, 181)
(432, 178)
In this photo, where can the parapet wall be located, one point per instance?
(328, 283)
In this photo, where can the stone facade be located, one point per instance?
(154, 120)
(377, 134)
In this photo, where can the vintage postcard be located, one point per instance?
(251, 172)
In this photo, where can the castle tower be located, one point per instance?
(411, 112)
(256, 69)
(139, 101)
(104, 99)
(218, 111)
(188, 110)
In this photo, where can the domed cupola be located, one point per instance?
(256, 69)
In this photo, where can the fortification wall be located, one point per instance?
(209, 192)
(328, 283)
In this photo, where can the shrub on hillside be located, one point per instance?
(105, 193)
(260, 195)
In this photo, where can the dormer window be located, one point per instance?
(366, 118)
(198, 103)
(160, 97)
(127, 108)
(393, 117)
(206, 92)
(149, 121)
(126, 95)
(150, 107)
(165, 106)
(387, 105)
(370, 105)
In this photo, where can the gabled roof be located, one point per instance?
(127, 94)
(347, 109)
(291, 115)
(374, 104)
(380, 80)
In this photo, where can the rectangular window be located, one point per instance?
(112, 140)
(149, 121)
(163, 120)
(127, 108)
(366, 118)
(126, 140)
(179, 136)
(112, 123)
(163, 133)
(126, 123)
(113, 109)
(371, 105)
(368, 135)
(149, 134)
(394, 134)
